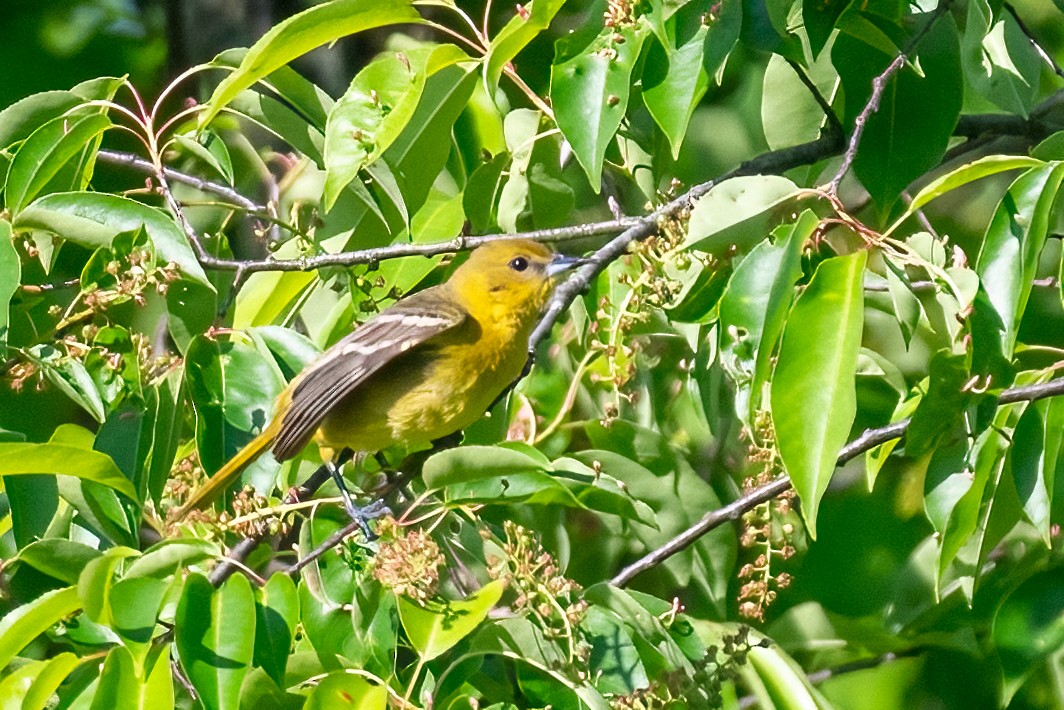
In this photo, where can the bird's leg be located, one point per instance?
(362, 515)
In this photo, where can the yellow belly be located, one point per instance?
(424, 395)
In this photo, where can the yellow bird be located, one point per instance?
(426, 367)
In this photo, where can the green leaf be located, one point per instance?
(481, 193)
(999, 60)
(70, 377)
(93, 220)
(125, 683)
(47, 680)
(300, 33)
(1008, 260)
(465, 464)
(1032, 461)
(211, 150)
(215, 638)
(917, 113)
(676, 73)
(817, 368)
(754, 309)
(168, 556)
(310, 101)
(522, 28)
(135, 605)
(234, 387)
(819, 17)
(375, 109)
(25, 116)
(779, 682)
(10, 278)
(737, 211)
(967, 173)
(31, 685)
(46, 152)
(1028, 627)
(57, 457)
(97, 581)
(59, 558)
(434, 629)
(342, 689)
(28, 621)
(790, 114)
(276, 616)
(589, 90)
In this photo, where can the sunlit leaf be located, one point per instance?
(300, 33)
(816, 368)
(435, 628)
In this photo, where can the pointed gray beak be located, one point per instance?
(561, 263)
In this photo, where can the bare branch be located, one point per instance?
(131, 160)
(734, 510)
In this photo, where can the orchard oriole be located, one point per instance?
(424, 368)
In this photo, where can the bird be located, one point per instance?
(424, 368)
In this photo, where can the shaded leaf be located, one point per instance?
(737, 211)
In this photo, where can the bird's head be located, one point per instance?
(509, 278)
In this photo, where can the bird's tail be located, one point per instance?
(216, 485)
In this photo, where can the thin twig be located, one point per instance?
(1046, 57)
(755, 497)
(834, 124)
(395, 251)
(132, 160)
(879, 85)
(773, 162)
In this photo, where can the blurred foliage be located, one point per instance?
(146, 329)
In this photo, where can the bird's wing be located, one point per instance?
(347, 364)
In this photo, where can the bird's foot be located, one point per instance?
(358, 515)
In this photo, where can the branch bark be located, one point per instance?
(734, 510)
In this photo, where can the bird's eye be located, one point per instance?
(519, 263)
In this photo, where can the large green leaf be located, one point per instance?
(375, 109)
(813, 395)
(93, 219)
(25, 116)
(276, 616)
(215, 638)
(967, 173)
(789, 113)
(436, 628)
(917, 112)
(737, 211)
(125, 683)
(294, 37)
(59, 558)
(1013, 244)
(28, 621)
(47, 679)
(590, 84)
(59, 456)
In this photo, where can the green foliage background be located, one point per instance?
(766, 287)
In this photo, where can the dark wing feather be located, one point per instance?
(347, 364)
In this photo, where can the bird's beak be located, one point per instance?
(561, 263)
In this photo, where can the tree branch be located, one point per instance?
(879, 85)
(130, 160)
(734, 510)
